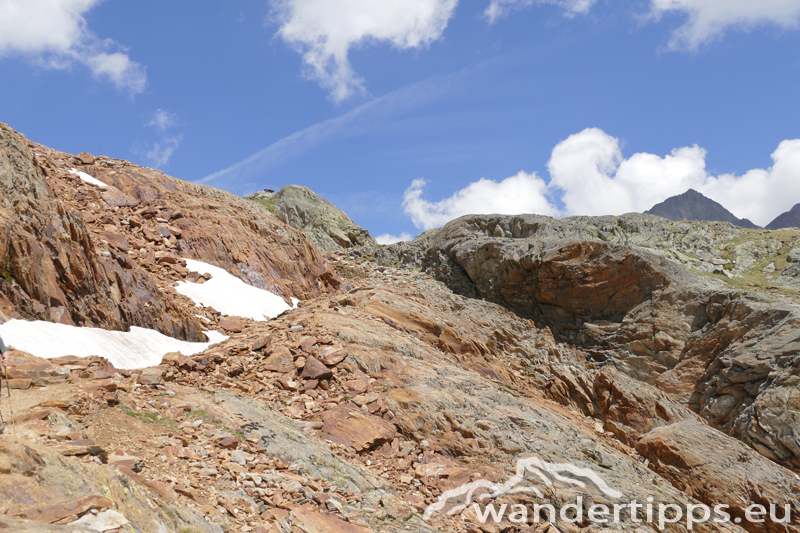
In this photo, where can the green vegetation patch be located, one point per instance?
(268, 203)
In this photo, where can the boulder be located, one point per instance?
(85, 158)
(348, 425)
(280, 360)
(314, 369)
(233, 324)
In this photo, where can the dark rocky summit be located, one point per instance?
(789, 219)
(692, 205)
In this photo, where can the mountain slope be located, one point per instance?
(101, 246)
(789, 219)
(692, 205)
(373, 404)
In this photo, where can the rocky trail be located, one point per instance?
(404, 373)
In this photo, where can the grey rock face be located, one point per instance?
(402, 254)
(321, 221)
(598, 283)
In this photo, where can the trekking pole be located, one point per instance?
(2, 420)
(4, 370)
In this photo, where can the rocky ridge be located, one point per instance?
(321, 221)
(789, 219)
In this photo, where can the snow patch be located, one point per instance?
(229, 295)
(87, 178)
(137, 348)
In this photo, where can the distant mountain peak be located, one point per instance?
(789, 219)
(693, 205)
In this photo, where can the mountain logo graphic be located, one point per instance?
(455, 500)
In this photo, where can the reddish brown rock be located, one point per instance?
(151, 376)
(60, 512)
(350, 426)
(280, 360)
(20, 383)
(287, 383)
(117, 240)
(313, 369)
(261, 343)
(229, 442)
(51, 260)
(233, 324)
(119, 458)
(307, 344)
(86, 158)
(714, 468)
(167, 258)
(115, 197)
(333, 355)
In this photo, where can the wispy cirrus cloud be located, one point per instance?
(161, 151)
(500, 8)
(54, 34)
(366, 117)
(163, 119)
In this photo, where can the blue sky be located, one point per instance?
(409, 113)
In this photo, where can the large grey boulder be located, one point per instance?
(321, 221)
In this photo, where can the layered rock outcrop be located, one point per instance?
(730, 356)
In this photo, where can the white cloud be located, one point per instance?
(161, 152)
(388, 238)
(593, 178)
(325, 32)
(589, 170)
(761, 194)
(163, 119)
(500, 8)
(710, 19)
(523, 193)
(54, 34)
(590, 176)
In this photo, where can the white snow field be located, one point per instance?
(87, 178)
(229, 295)
(137, 348)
